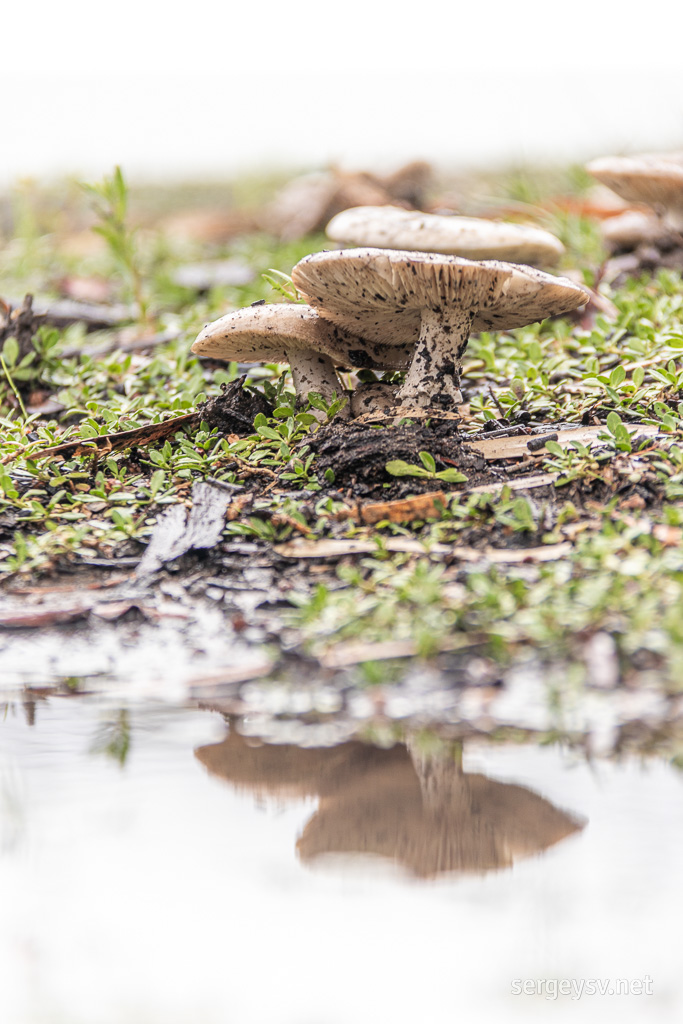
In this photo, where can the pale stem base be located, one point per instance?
(313, 371)
(434, 375)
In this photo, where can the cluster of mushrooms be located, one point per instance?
(651, 180)
(407, 298)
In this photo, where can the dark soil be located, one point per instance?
(357, 453)
(235, 409)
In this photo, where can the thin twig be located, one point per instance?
(13, 387)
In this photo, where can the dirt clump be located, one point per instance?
(357, 454)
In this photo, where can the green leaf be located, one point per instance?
(638, 376)
(428, 462)
(665, 378)
(305, 418)
(400, 468)
(554, 448)
(156, 481)
(613, 423)
(10, 351)
(451, 476)
(268, 432)
(617, 376)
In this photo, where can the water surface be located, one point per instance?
(156, 866)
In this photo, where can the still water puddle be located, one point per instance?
(158, 867)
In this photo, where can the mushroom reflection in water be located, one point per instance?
(420, 810)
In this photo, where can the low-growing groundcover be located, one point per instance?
(519, 558)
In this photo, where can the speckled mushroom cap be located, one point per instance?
(389, 227)
(653, 178)
(269, 331)
(381, 293)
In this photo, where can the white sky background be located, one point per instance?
(203, 89)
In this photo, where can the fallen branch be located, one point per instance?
(331, 548)
(106, 443)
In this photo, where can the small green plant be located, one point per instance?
(617, 434)
(427, 471)
(109, 200)
(517, 514)
(282, 284)
(575, 461)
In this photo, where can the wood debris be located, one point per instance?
(516, 447)
(524, 483)
(177, 531)
(308, 203)
(94, 316)
(106, 443)
(339, 548)
(406, 510)
(345, 655)
(40, 617)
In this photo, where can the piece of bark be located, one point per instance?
(177, 531)
(236, 406)
(21, 322)
(106, 443)
(39, 617)
(353, 546)
(231, 675)
(421, 506)
(96, 317)
(515, 447)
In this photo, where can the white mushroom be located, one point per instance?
(373, 396)
(389, 227)
(432, 301)
(630, 229)
(294, 333)
(652, 178)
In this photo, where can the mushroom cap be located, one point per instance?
(371, 801)
(268, 332)
(389, 227)
(631, 229)
(488, 825)
(380, 293)
(653, 178)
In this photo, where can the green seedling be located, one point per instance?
(427, 471)
(109, 200)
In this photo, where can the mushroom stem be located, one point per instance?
(434, 374)
(673, 218)
(313, 371)
(444, 785)
(373, 398)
